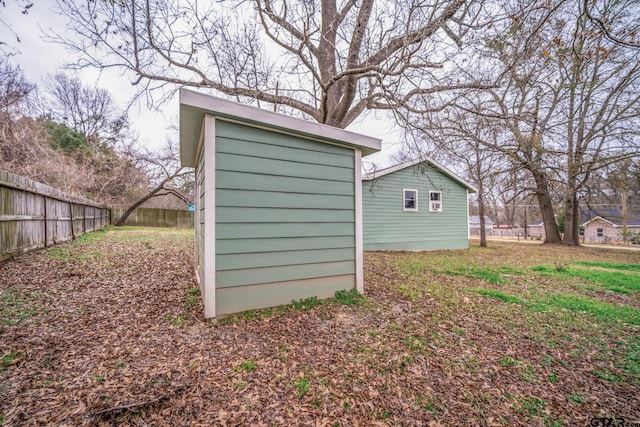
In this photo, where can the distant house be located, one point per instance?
(608, 227)
(474, 225)
(417, 205)
(536, 230)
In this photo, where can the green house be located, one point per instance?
(278, 204)
(417, 206)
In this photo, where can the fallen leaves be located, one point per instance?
(108, 332)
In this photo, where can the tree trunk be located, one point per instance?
(571, 219)
(151, 194)
(483, 233)
(546, 207)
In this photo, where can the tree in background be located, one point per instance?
(164, 174)
(90, 111)
(324, 59)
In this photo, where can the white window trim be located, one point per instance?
(404, 208)
(430, 202)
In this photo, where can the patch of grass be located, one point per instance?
(615, 281)
(248, 365)
(578, 397)
(506, 361)
(477, 273)
(602, 311)
(176, 320)
(531, 406)
(15, 307)
(609, 265)
(12, 358)
(192, 299)
(350, 297)
(302, 386)
(408, 291)
(305, 304)
(499, 295)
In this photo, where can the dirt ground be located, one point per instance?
(109, 331)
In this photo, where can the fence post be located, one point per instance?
(73, 234)
(45, 220)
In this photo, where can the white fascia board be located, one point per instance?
(194, 106)
(427, 159)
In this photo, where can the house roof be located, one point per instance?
(194, 106)
(632, 220)
(475, 219)
(423, 159)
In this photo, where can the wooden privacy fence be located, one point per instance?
(151, 217)
(34, 215)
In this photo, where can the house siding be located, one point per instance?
(388, 227)
(285, 218)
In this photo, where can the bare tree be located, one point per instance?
(327, 60)
(567, 100)
(14, 88)
(164, 173)
(88, 110)
(462, 138)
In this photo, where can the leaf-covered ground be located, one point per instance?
(109, 330)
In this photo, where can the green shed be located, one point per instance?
(418, 205)
(278, 204)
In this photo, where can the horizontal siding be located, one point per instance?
(269, 259)
(388, 227)
(241, 298)
(284, 230)
(273, 199)
(266, 166)
(282, 215)
(252, 276)
(284, 184)
(234, 246)
(299, 155)
(285, 218)
(227, 134)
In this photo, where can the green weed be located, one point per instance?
(506, 361)
(578, 397)
(12, 358)
(176, 320)
(531, 406)
(306, 304)
(350, 297)
(302, 386)
(192, 298)
(248, 365)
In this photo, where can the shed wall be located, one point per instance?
(285, 218)
(388, 227)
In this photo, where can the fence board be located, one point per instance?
(151, 217)
(35, 215)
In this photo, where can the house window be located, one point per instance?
(410, 202)
(600, 232)
(435, 201)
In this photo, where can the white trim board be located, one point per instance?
(427, 159)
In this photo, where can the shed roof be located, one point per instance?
(427, 159)
(194, 106)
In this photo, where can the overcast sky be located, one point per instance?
(38, 58)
